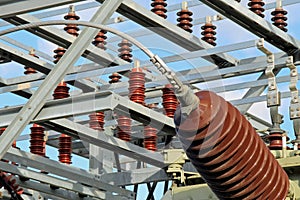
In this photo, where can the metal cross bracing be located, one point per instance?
(131, 164)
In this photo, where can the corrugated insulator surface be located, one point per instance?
(99, 40)
(37, 140)
(209, 33)
(65, 149)
(61, 91)
(170, 101)
(228, 153)
(137, 86)
(114, 78)
(185, 20)
(150, 135)
(280, 18)
(256, 6)
(124, 128)
(125, 50)
(72, 28)
(59, 52)
(159, 8)
(97, 121)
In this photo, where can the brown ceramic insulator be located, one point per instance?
(29, 70)
(65, 149)
(185, 20)
(275, 139)
(170, 101)
(125, 50)
(37, 140)
(61, 91)
(150, 138)
(124, 128)
(256, 6)
(72, 28)
(280, 18)
(10, 183)
(209, 33)
(159, 8)
(99, 40)
(97, 121)
(114, 78)
(59, 52)
(228, 153)
(137, 85)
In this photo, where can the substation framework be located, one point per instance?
(125, 129)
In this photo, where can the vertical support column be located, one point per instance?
(37, 100)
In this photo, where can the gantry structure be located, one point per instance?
(125, 62)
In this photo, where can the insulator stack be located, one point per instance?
(65, 141)
(209, 33)
(29, 70)
(275, 139)
(124, 128)
(59, 52)
(99, 40)
(228, 153)
(159, 8)
(185, 19)
(280, 18)
(137, 85)
(10, 184)
(114, 78)
(150, 140)
(37, 140)
(72, 28)
(256, 6)
(170, 101)
(61, 91)
(97, 121)
(125, 50)
(65, 149)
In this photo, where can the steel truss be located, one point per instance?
(116, 165)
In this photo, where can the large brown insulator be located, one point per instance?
(280, 18)
(124, 128)
(65, 149)
(150, 135)
(114, 78)
(72, 28)
(209, 33)
(125, 50)
(37, 140)
(59, 52)
(99, 40)
(61, 91)
(275, 138)
(137, 85)
(29, 70)
(185, 19)
(170, 101)
(228, 153)
(97, 121)
(159, 8)
(256, 6)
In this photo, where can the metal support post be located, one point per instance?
(36, 102)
